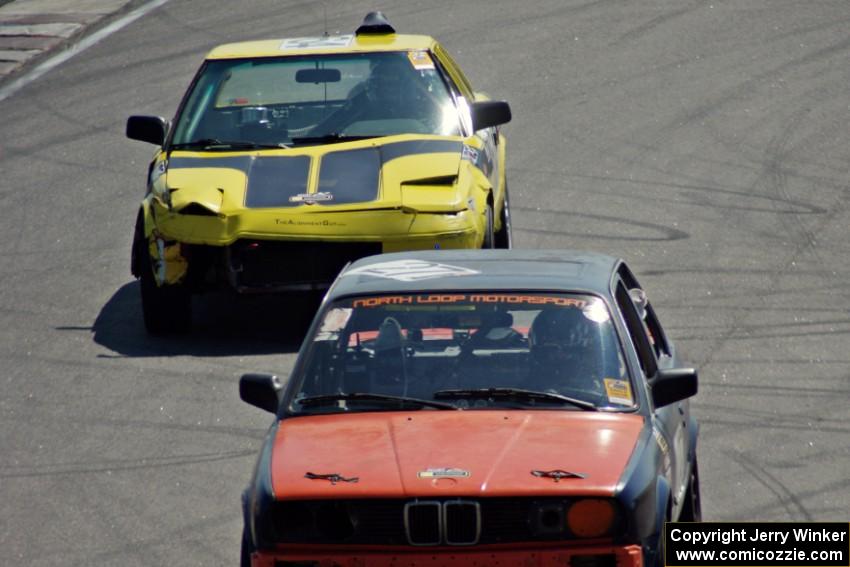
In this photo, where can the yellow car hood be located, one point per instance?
(413, 172)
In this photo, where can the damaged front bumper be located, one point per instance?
(270, 252)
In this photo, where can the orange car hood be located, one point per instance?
(396, 454)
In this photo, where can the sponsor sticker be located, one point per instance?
(420, 60)
(333, 323)
(662, 442)
(618, 391)
(159, 170)
(411, 270)
(469, 154)
(443, 473)
(317, 42)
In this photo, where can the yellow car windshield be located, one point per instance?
(317, 99)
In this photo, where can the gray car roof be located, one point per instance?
(443, 270)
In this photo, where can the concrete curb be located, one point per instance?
(32, 30)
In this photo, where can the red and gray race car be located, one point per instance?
(476, 408)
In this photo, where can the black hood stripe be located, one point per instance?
(272, 180)
(241, 163)
(350, 176)
(395, 150)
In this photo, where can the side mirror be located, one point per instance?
(261, 390)
(489, 113)
(670, 386)
(150, 129)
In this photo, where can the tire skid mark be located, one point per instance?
(786, 361)
(745, 88)
(828, 454)
(809, 292)
(833, 487)
(110, 522)
(775, 173)
(775, 389)
(654, 23)
(825, 396)
(129, 544)
(770, 326)
(658, 272)
(710, 307)
(787, 419)
(243, 433)
(667, 233)
(117, 465)
(279, 27)
(794, 206)
(791, 503)
(739, 425)
(563, 11)
(744, 332)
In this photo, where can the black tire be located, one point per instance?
(692, 508)
(167, 309)
(246, 550)
(657, 558)
(504, 238)
(489, 236)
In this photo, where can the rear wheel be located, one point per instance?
(167, 309)
(504, 239)
(692, 509)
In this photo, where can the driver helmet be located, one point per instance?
(389, 371)
(389, 83)
(566, 349)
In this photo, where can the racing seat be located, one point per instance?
(389, 372)
(487, 358)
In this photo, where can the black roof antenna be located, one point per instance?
(375, 23)
(325, 8)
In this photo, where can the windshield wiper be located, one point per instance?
(366, 396)
(514, 394)
(216, 144)
(333, 137)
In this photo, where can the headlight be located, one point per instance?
(591, 517)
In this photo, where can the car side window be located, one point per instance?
(656, 334)
(455, 73)
(637, 330)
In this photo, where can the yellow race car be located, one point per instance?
(289, 158)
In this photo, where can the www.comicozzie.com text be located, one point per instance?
(757, 534)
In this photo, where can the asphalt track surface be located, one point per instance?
(707, 142)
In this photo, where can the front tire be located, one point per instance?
(246, 550)
(166, 309)
(692, 508)
(504, 238)
(489, 236)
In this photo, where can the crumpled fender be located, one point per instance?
(167, 262)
